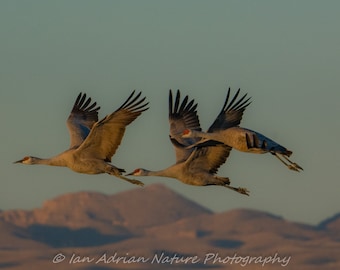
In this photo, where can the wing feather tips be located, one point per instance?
(178, 97)
(89, 109)
(82, 104)
(127, 100)
(86, 103)
(230, 105)
(241, 103)
(78, 98)
(170, 103)
(180, 108)
(183, 104)
(233, 99)
(231, 113)
(133, 104)
(81, 119)
(81, 101)
(130, 103)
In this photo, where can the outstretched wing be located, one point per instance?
(106, 135)
(182, 116)
(210, 154)
(81, 119)
(210, 158)
(231, 112)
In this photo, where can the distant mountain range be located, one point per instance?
(156, 228)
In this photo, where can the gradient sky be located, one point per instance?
(285, 54)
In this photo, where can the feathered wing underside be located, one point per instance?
(182, 115)
(210, 158)
(106, 135)
(210, 155)
(231, 113)
(81, 119)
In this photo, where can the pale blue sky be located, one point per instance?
(285, 54)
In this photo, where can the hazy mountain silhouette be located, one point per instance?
(131, 210)
(332, 223)
(156, 221)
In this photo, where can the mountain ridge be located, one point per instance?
(153, 205)
(157, 220)
(154, 198)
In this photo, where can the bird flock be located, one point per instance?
(198, 154)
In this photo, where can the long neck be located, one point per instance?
(168, 172)
(54, 161)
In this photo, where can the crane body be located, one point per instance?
(198, 166)
(94, 142)
(244, 140)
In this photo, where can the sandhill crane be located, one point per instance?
(197, 166)
(94, 142)
(244, 140)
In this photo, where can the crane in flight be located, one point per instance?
(242, 139)
(94, 142)
(198, 166)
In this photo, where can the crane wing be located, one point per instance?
(182, 116)
(106, 135)
(231, 112)
(210, 158)
(210, 155)
(81, 119)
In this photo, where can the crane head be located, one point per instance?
(187, 133)
(138, 172)
(27, 160)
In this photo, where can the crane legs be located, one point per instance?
(118, 173)
(132, 181)
(225, 182)
(290, 165)
(239, 190)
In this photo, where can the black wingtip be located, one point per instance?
(133, 104)
(83, 104)
(170, 102)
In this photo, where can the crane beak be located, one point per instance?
(131, 173)
(18, 161)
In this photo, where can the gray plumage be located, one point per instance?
(93, 142)
(196, 166)
(226, 130)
